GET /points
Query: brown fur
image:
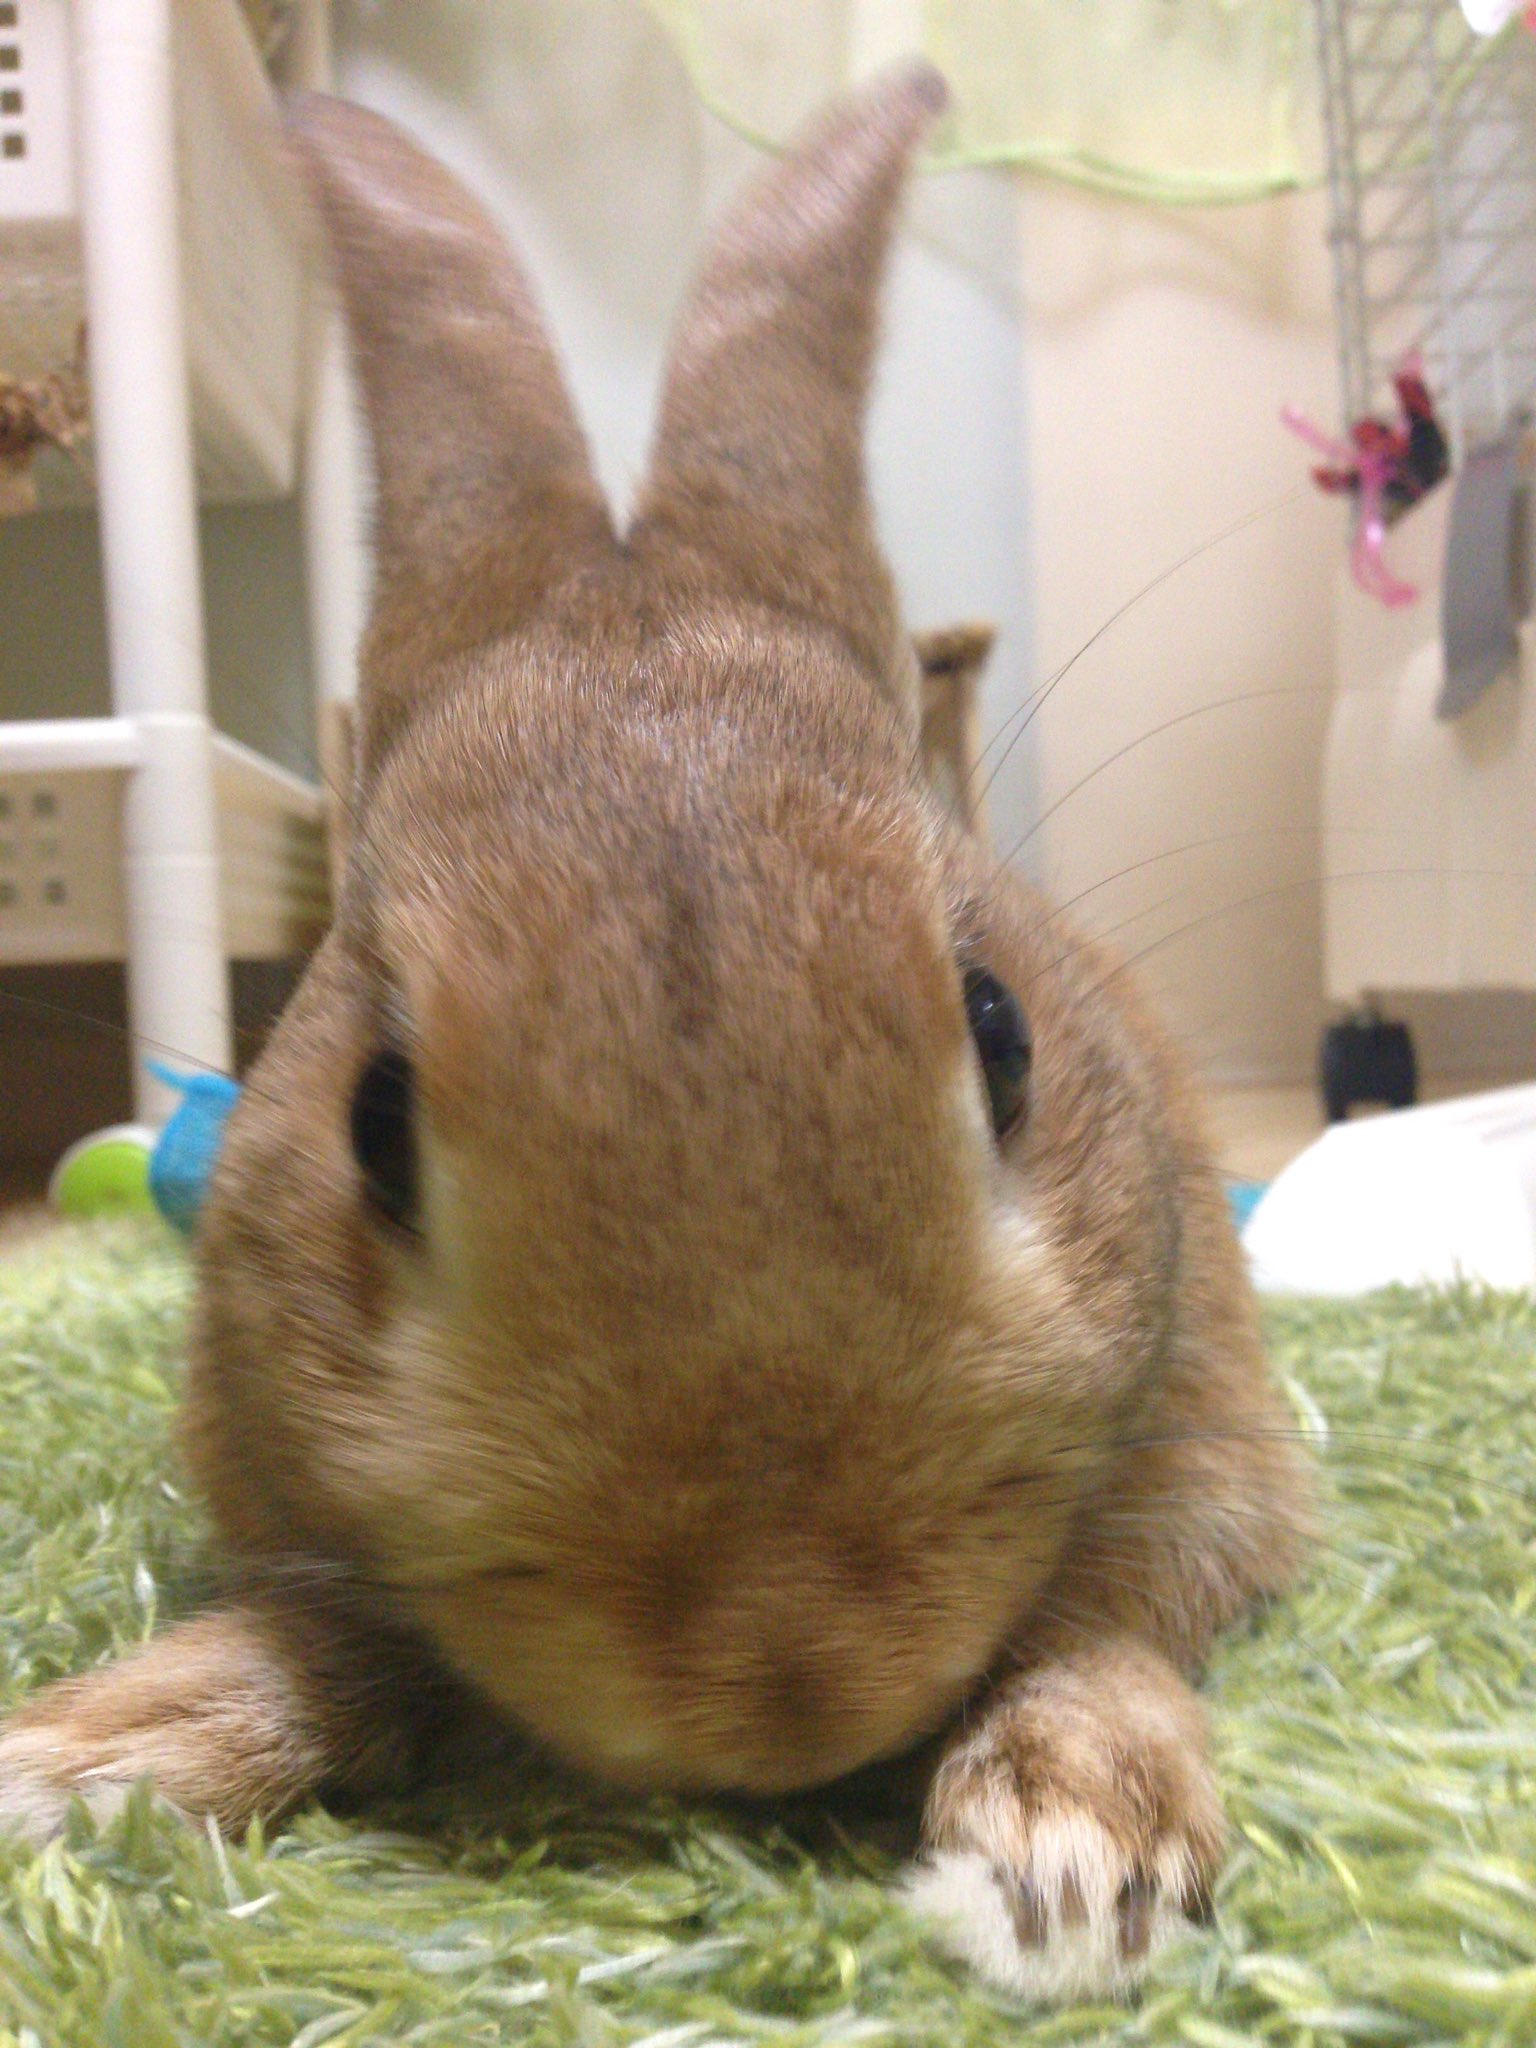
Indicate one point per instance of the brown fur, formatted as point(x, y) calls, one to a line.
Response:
point(951, 659)
point(742, 1409)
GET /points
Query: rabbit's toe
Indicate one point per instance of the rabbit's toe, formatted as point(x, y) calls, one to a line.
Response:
point(1074, 1918)
point(1074, 1828)
point(38, 1787)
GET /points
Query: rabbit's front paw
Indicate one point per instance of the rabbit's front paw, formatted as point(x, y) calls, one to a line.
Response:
point(40, 1779)
point(1073, 1831)
point(213, 1712)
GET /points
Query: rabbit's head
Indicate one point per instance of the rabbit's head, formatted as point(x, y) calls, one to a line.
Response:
point(691, 1237)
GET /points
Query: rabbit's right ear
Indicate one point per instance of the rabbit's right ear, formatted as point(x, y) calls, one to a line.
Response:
point(486, 497)
point(756, 483)
point(951, 659)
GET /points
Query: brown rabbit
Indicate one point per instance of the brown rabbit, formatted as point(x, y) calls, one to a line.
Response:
point(659, 1287)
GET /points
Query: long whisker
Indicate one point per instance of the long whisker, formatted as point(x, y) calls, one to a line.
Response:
point(1311, 880)
point(1153, 732)
point(1036, 701)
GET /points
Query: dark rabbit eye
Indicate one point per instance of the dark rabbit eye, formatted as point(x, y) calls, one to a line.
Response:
point(384, 1135)
point(1001, 1033)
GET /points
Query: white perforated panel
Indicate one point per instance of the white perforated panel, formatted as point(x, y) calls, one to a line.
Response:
point(60, 894)
point(37, 179)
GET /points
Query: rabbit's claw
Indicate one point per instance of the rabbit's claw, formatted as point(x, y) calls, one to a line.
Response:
point(1071, 1842)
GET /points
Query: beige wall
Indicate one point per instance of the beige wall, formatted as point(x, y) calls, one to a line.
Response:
point(1158, 349)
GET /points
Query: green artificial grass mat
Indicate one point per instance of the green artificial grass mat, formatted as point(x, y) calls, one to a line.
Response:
point(1377, 1738)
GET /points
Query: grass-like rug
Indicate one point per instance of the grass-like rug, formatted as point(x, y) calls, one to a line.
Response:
point(1377, 1735)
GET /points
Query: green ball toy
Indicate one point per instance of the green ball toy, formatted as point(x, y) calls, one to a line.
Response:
point(106, 1174)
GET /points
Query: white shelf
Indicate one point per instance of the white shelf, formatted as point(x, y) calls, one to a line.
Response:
point(61, 851)
point(61, 746)
point(241, 234)
point(151, 183)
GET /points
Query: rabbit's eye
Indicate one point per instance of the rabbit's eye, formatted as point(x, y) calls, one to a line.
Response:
point(384, 1135)
point(1001, 1032)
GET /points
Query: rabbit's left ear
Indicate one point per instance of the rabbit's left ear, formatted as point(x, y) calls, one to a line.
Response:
point(756, 486)
point(486, 501)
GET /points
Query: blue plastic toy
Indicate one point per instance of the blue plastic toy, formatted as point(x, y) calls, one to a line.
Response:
point(182, 1163)
point(1244, 1196)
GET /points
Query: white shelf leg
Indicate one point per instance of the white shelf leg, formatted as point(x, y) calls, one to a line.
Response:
point(336, 567)
point(178, 982)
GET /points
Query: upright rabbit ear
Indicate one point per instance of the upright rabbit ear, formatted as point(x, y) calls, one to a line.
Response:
point(757, 481)
point(485, 494)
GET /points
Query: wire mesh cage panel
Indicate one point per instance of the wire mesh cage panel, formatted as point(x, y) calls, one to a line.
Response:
point(1432, 172)
point(1429, 835)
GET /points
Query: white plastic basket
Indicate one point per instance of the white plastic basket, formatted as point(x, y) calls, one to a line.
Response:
point(241, 243)
point(1428, 1195)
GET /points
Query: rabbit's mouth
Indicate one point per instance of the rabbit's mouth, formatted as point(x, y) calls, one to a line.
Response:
point(763, 1687)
